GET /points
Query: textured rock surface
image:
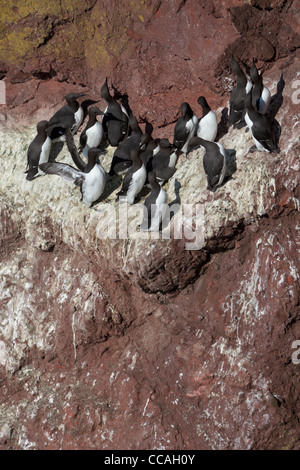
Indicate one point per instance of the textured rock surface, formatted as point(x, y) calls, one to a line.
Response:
point(159, 53)
point(129, 343)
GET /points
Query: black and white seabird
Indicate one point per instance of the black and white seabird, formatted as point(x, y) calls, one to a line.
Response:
point(154, 206)
point(237, 97)
point(38, 151)
point(247, 73)
point(167, 155)
point(134, 179)
point(214, 161)
point(260, 127)
point(91, 181)
point(71, 115)
point(121, 160)
point(92, 135)
point(115, 121)
point(185, 127)
point(149, 147)
point(261, 95)
point(208, 124)
point(163, 160)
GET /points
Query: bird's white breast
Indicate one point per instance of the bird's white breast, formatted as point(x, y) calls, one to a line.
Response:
point(250, 125)
point(78, 119)
point(265, 100)
point(208, 127)
point(191, 127)
point(94, 136)
point(136, 185)
point(173, 159)
point(248, 86)
point(45, 153)
point(158, 211)
point(223, 171)
point(94, 184)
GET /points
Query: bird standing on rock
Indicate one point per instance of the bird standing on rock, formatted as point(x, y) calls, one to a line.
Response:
point(185, 128)
point(115, 121)
point(38, 151)
point(92, 135)
point(134, 179)
point(237, 97)
point(71, 115)
point(260, 127)
point(261, 95)
point(214, 161)
point(121, 160)
point(208, 123)
point(154, 206)
point(162, 160)
point(91, 180)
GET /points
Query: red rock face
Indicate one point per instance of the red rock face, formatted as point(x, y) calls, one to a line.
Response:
point(192, 349)
point(207, 366)
point(159, 54)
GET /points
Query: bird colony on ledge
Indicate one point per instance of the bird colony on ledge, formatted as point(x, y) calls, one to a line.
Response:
point(143, 160)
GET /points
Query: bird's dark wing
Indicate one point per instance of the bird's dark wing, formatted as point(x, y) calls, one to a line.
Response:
point(73, 150)
point(213, 165)
point(126, 182)
point(165, 173)
point(262, 131)
point(82, 139)
point(180, 133)
point(65, 171)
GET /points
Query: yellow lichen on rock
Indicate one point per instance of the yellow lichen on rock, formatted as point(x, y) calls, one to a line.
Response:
point(25, 27)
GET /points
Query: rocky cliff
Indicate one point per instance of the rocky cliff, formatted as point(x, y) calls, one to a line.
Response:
point(110, 340)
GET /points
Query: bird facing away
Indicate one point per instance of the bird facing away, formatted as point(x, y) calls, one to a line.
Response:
point(237, 97)
point(121, 160)
point(149, 147)
point(92, 135)
point(134, 179)
point(214, 161)
point(91, 181)
point(208, 123)
point(260, 127)
point(154, 206)
point(115, 121)
point(185, 128)
point(38, 151)
point(261, 95)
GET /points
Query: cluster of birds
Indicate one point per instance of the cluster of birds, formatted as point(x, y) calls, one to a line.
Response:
point(146, 161)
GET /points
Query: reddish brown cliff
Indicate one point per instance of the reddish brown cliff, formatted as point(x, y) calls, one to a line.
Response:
point(159, 53)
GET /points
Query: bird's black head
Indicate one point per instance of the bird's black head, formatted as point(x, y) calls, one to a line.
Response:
point(248, 100)
point(94, 154)
point(202, 101)
point(254, 75)
point(41, 126)
point(186, 109)
point(74, 96)
point(95, 111)
point(144, 141)
point(235, 68)
point(152, 177)
point(164, 143)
